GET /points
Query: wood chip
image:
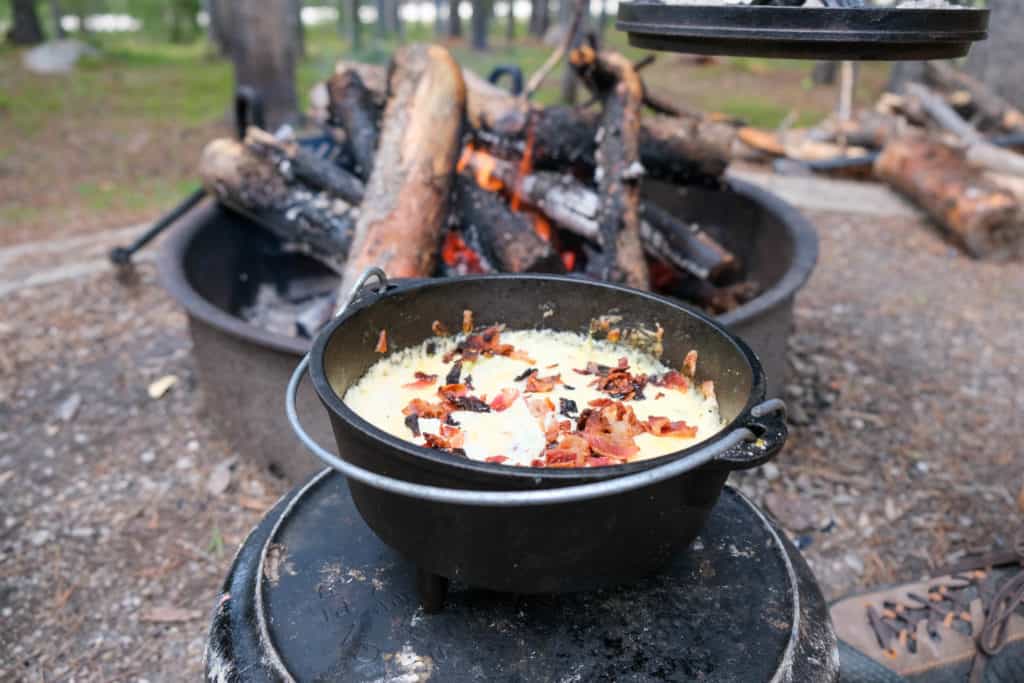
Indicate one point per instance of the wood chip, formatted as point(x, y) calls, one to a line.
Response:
point(160, 387)
point(220, 477)
point(168, 615)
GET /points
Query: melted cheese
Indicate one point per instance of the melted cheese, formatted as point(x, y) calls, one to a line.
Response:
point(380, 395)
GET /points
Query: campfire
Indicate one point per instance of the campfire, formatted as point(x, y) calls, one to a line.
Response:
point(425, 169)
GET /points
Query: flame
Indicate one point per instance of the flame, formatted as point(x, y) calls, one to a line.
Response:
point(569, 260)
point(483, 165)
point(525, 166)
point(455, 252)
point(542, 226)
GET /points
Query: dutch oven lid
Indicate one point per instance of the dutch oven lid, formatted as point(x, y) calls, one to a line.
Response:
point(832, 33)
point(315, 595)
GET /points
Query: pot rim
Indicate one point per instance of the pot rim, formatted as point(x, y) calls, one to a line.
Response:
point(419, 455)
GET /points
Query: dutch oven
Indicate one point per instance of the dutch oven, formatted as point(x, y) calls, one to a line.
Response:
point(532, 530)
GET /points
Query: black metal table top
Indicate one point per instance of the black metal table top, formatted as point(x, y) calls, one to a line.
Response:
point(313, 595)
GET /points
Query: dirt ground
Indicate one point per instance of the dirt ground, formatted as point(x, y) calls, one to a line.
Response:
point(119, 512)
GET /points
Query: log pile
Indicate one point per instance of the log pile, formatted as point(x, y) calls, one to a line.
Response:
point(948, 143)
point(435, 172)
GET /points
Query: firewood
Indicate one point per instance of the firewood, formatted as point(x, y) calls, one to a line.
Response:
point(352, 106)
point(978, 215)
point(507, 237)
point(405, 205)
point(252, 184)
point(715, 300)
point(611, 77)
point(293, 162)
point(980, 152)
point(574, 207)
point(992, 106)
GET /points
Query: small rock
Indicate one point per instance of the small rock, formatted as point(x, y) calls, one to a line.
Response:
point(863, 521)
point(184, 463)
point(797, 415)
point(220, 477)
point(161, 386)
point(40, 537)
point(81, 439)
point(771, 471)
point(192, 446)
point(891, 513)
point(147, 457)
point(796, 513)
point(854, 562)
point(794, 390)
point(68, 408)
point(857, 423)
point(922, 467)
point(82, 532)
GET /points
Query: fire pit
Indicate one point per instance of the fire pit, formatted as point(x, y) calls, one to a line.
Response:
point(216, 264)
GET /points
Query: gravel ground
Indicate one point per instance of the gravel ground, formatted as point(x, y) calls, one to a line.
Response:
point(119, 512)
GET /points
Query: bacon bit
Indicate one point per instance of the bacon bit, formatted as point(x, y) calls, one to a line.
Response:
point(610, 430)
point(571, 451)
point(456, 437)
point(439, 329)
point(423, 380)
point(614, 335)
point(453, 375)
point(422, 408)
point(535, 384)
point(707, 389)
point(382, 342)
point(662, 426)
point(555, 429)
point(412, 421)
point(536, 462)
point(467, 321)
point(603, 461)
point(569, 260)
point(567, 407)
point(600, 402)
point(496, 459)
point(471, 403)
point(517, 354)
point(660, 394)
point(671, 380)
point(504, 400)
point(451, 391)
point(524, 374)
point(593, 369)
point(619, 383)
point(540, 407)
point(549, 367)
point(690, 364)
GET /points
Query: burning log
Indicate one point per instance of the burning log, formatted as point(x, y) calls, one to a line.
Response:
point(611, 77)
point(982, 217)
point(406, 197)
point(573, 206)
point(507, 238)
point(352, 106)
point(252, 184)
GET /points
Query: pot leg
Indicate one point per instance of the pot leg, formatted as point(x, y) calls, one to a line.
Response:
point(432, 589)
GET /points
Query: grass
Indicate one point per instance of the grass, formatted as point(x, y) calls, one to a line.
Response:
point(69, 139)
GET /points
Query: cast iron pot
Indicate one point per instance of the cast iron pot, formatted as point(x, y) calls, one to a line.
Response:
point(532, 530)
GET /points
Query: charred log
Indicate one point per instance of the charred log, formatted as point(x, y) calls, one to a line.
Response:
point(251, 184)
point(406, 198)
point(353, 107)
point(295, 163)
point(507, 238)
point(989, 103)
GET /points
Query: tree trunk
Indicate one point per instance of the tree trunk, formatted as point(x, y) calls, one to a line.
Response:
point(25, 27)
point(996, 61)
point(58, 17)
point(300, 29)
point(262, 46)
point(510, 25)
point(454, 20)
point(540, 17)
point(382, 18)
point(353, 26)
point(479, 24)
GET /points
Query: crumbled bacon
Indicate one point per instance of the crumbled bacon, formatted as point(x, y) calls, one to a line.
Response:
point(485, 343)
point(455, 436)
point(620, 383)
point(422, 408)
point(662, 426)
point(540, 407)
point(557, 428)
point(593, 369)
point(537, 462)
point(524, 374)
point(451, 391)
point(690, 364)
point(439, 329)
point(467, 321)
point(535, 384)
point(603, 461)
point(572, 450)
point(382, 342)
point(423, 380)
point(707, 389)
point(610, 428)
point(670, 380)
point(496, 458)
point(504, 400)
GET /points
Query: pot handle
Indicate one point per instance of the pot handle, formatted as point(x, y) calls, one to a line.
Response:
point(730, 444)
point(768, 423)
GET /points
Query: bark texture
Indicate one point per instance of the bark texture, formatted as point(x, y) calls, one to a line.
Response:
point(406, 196)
